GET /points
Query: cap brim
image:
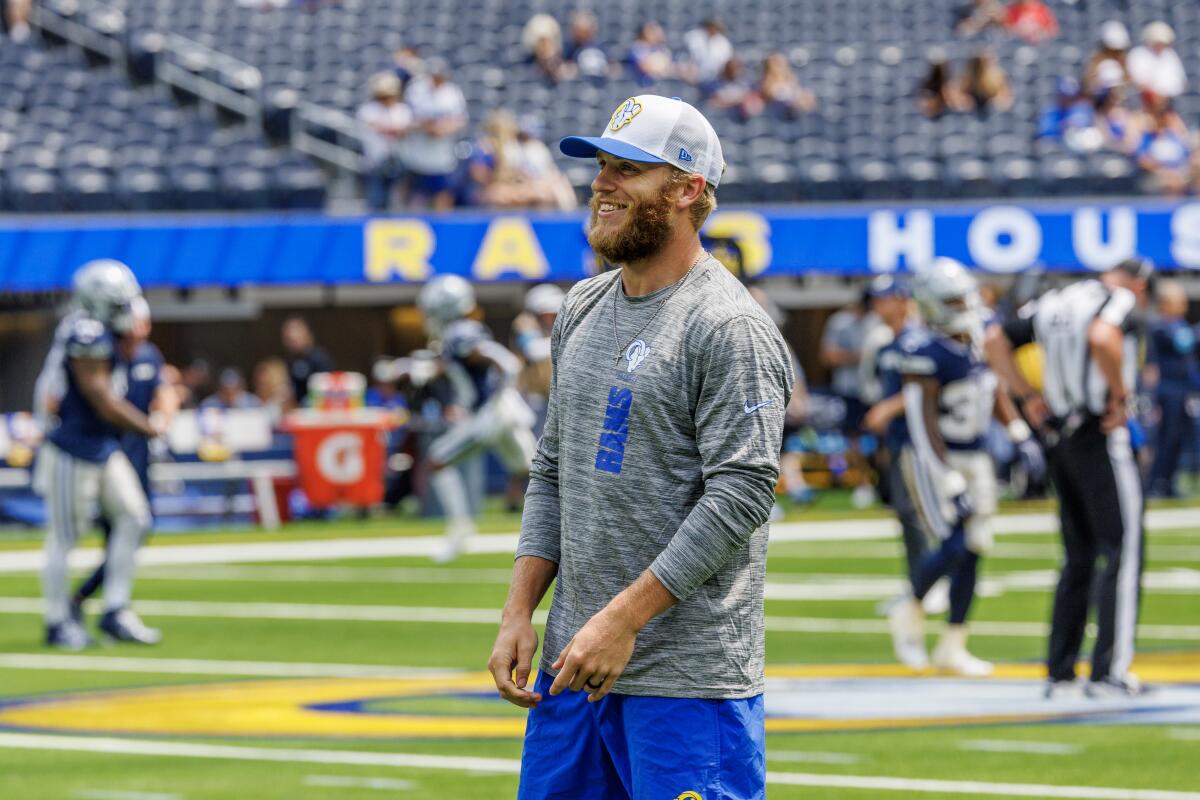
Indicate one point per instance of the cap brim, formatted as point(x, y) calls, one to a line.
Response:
point(588, 146)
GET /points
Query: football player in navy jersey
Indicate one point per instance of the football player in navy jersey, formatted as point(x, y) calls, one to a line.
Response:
point(488, 412)
point(949, 400)
point(82, 464)
point(145, 390)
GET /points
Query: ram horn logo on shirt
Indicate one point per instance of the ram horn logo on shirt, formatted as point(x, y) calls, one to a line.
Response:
point(635, 354)
point(625, 114)
point(689, 796)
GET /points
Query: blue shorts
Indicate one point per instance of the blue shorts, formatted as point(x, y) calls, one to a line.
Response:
point(643, 748)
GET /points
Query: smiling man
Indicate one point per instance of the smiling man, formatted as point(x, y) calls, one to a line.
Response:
point(649, 496)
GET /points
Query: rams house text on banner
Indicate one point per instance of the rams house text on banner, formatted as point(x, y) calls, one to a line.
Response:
point(38, 255)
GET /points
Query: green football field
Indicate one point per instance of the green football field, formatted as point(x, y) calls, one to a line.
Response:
point(336, 660)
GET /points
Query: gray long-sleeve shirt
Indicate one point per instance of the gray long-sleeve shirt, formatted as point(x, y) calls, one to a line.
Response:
point(665, 458)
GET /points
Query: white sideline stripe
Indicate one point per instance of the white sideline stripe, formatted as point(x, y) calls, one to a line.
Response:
point(269, 574)
point(1185, 734)
point(145, 747)
point(512, 766)
point(812, 757)
point(349, 782)
point(1033, 748)
point(846, 530)
point(488, 616)
point(976, 787)
point(200, 666)
point(116, 794)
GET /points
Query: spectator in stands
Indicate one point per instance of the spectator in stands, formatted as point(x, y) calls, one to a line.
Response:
point(1108, 63)
point(985, 86)
point(542, 40)
point(273, 388)
point(938, 92)
point(780, 89)
point(407, 64)
point(1120, 129)
point(1032, 20)
point(1155, 68)
point(979, 16)
point(16, 18)
point(732, 90)
point(552, 189)
point(510, 167)
point(708, 51)
point(1070, 118)
point(649, 58)
point(1174, 373)
point(384, 391)
point(231, 393)
point(304, 357)
point(1164, 152)
point(439, 115)
point(384, 122)
point(581, 50)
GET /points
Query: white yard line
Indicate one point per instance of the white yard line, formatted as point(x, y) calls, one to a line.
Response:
point(488, 616)
point(419, 546)
point(118, 794)
point(976, 788)
point(1184, 734)
point(350, 782)
point(512, 766)
point(204, 666)
point(271, 574)
point(1032, 748)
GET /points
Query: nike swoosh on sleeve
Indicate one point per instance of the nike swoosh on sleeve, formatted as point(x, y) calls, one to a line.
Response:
point(750, 409)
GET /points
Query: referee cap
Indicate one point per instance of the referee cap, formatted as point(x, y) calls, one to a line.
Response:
point(653, 129)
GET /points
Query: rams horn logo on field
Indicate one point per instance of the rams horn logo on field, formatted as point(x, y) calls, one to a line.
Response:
point(689, 796)
point(625, 114)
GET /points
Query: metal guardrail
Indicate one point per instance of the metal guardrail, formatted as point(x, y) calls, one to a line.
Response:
point(61, 18)
point(215, 78)
point(342, 148)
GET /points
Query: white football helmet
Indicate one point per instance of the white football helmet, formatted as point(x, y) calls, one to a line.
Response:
point(947, 295)
point(445, 299)
point(105, 289)
point(545, 298)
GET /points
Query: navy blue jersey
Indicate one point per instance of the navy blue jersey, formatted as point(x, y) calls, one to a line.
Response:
point(1172, 348)
point(80, 431)
point(142, 377)
point(967, 386)
point(473, 382)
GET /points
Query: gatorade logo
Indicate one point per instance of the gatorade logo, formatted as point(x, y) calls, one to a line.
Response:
point(340, 458)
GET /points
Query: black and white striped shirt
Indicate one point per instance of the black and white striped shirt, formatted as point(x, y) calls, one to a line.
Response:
point(1060, 320)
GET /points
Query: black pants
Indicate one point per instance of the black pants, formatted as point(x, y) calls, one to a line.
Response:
point(1100, 511)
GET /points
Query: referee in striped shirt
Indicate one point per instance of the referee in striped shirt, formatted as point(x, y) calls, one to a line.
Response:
point(1088, 333)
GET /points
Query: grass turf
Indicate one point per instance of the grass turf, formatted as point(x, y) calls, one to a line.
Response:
point(1127, 756)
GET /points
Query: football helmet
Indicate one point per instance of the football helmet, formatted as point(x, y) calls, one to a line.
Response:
point(545, 298)
point(947, 295)
point(445, 299)
point(105, 289)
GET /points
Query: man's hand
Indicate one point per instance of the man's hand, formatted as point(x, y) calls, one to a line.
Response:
point(515, 645)
point(1034, 407)
point(1116, 414)
point(596, 655)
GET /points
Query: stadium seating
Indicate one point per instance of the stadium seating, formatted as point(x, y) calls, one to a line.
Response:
point(862, 58)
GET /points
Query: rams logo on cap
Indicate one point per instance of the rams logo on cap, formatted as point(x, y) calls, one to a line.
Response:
point(625, 114)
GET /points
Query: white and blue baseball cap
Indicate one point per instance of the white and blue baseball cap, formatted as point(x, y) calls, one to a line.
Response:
point(657, 130)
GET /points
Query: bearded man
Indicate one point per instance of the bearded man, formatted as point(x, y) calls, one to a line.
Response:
point(649, 496)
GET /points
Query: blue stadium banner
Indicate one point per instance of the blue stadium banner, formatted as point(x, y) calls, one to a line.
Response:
point(40, 254)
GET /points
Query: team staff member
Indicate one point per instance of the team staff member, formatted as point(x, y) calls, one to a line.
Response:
point(1172, 353)
point(1089, 336)
point(650, 494)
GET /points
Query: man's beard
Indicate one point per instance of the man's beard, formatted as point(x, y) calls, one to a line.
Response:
point(643, 233)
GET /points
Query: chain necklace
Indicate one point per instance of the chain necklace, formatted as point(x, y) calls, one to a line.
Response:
point(617, 290)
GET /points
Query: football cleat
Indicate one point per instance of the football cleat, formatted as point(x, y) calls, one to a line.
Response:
point(1127, 686)
point(69, 635)
point(125, 626)
point(1057, 690)
point(907, 621)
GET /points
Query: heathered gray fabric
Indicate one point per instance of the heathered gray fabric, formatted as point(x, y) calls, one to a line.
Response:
point(696, 481)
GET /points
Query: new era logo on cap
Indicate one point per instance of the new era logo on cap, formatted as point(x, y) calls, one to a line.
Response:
point(657, 130)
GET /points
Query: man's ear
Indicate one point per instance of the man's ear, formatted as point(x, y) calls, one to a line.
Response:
point(690, 191)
